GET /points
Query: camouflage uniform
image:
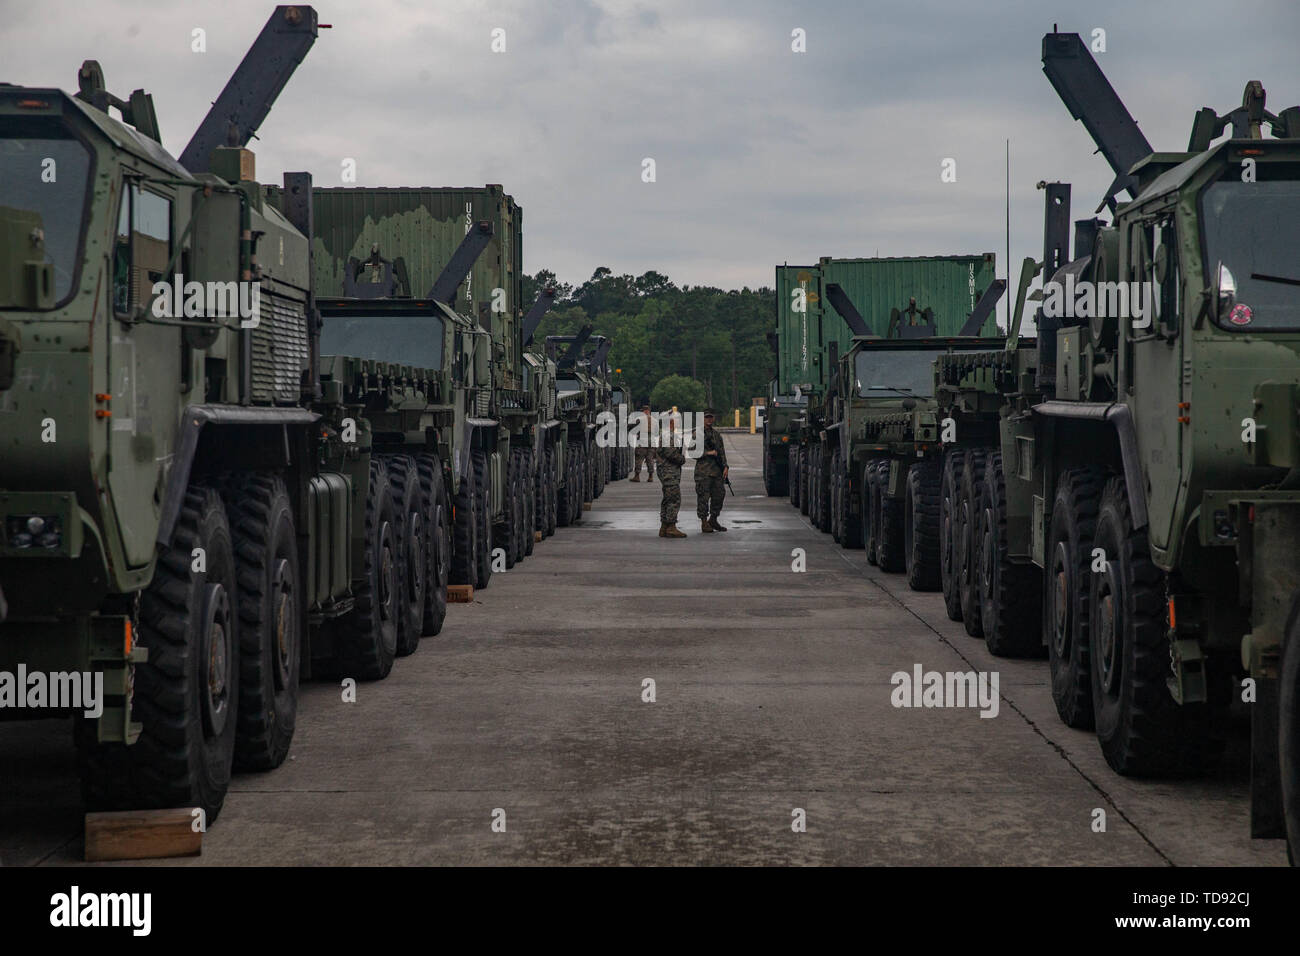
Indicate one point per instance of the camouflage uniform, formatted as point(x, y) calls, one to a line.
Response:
point(671, 458)
point(644, 453)
point(709, 489)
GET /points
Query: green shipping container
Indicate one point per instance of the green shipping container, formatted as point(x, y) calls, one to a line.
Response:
point(950, 285)
point(421, 227)
point(798, 323)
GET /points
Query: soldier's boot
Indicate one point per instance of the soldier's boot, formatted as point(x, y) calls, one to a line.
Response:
point(637, 476)
point(672, 532)
point(704, 526)
point(713, 523)
point(663, 530)
point(650, 476)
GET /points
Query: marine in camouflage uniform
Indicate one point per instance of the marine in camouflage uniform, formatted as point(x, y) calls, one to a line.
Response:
point(710, 468)
point(644, 453)
point(671, 458)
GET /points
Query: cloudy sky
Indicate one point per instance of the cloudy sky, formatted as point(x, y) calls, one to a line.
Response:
point(762, 155)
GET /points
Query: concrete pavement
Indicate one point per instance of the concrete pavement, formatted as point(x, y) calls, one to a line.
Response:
point(772, 695)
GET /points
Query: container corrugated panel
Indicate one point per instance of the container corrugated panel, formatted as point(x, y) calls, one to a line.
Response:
point(799, 345)
point(950, 285)
point(423, 226)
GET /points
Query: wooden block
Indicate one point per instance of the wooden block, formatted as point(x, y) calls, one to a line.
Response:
point(537, 536)
point(142, 834)
point(460, 593)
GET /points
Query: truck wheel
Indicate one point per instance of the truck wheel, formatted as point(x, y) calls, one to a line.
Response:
point(814, 489)
point(580, 480)
point(968, 503)
point(805, 480)
point(366, 640)
point(564, 511)
point(1289, 731)
point(465, 525)
point(517, 510)
point(185, 695)
point(794, 476)
point(530, 502)
point(412, 551)
point(506, 534)
point(483, 483)
point(1009, 593)
point(921, 526)
point(1141, 729)
point(871, 511)
point(270, 619)
point(834, 496)
point(552, 492)
point(951, 533)
point(438, 543)
point(850, 526)
point(889, 552)
point(1066, 592)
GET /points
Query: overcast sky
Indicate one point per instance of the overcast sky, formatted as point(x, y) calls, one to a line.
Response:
point(762, 155)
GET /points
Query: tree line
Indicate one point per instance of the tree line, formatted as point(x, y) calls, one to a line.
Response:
point(714, 337)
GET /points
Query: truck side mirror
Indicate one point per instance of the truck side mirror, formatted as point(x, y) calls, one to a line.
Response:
point(1225, 291)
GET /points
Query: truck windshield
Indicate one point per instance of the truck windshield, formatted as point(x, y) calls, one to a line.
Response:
point(406, 339)
point(1254, 230)
point(886, 373)
point(44, 173)
point(566, 385)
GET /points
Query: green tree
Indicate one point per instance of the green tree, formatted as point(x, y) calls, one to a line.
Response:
point(684, 393)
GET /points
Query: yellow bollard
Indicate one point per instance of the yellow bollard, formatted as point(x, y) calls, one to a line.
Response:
point(753, 419)
point(738, 418)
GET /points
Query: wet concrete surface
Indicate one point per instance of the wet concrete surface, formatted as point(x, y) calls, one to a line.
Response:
point(772, 695)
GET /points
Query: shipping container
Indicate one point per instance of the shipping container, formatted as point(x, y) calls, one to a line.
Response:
point(418, 229)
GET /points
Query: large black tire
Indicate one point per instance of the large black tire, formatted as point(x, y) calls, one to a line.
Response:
point(580, 468)
point(528, 488)
point(552, 490)
point(1289, 731)
point(950, 532)
point(1066, 591)
point(968, 501)
point(805, 480)
point(794, 476)
point(465, 543)
point(270, 618)
point(1141, 729)
point(506, 534)
point(871, 510)
point(889, 540)
point(365, 641)
point(437, 519)
point(850, 526)
point(186, 693)
point(568, 503)
point(921, 526)
point(834, 497)
point(483, 482)
point(518, 511)
point(412, 550)
point(1010, 594)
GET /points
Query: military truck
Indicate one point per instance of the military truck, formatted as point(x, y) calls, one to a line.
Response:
point(584, 397)
point(779, 416)
point(396, 242)
point(193, 503)
point(814, 340)
point(1146, 458)
point(882, 433)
